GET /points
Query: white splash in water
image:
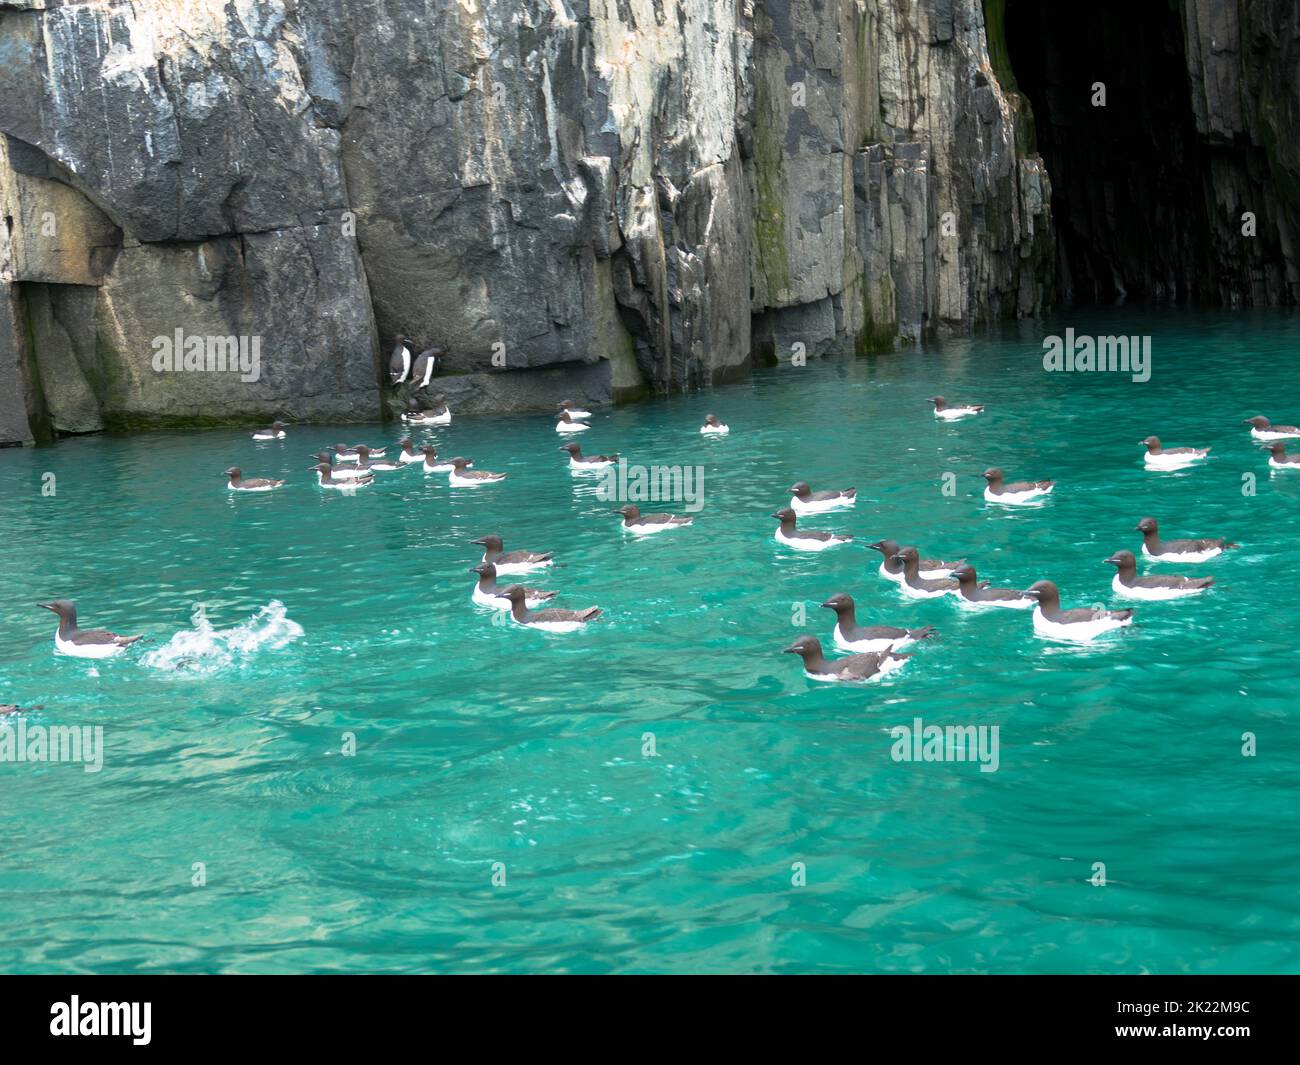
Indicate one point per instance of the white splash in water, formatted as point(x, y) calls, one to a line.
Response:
point(204, 649)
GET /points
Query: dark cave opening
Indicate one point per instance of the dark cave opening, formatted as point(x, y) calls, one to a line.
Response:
point(1128, 178)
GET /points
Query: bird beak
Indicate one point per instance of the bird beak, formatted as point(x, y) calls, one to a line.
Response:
point(1030, 592)
point(895, 558)
point(47, 606)
point(775, 514)
point(480, 540)
point(828, 603)
point(792, 649)
point(1112, 560)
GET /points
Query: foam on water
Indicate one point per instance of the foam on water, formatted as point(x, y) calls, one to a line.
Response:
point(204, 649)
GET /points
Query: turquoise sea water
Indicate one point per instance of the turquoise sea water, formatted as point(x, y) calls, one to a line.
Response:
point(478, 743)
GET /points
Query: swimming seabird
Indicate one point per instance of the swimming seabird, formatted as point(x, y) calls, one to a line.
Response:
point(1017, 493)
point(803, 500)
point(972, 592)
point(566, 424)
point(645, 524)
point(340, 473)
point(327, 479)
point(367, 464)
point(851, 636)
point(573, 410)
point(1080, 624)
point(713, 427)
point(236, 482)
point(1159, 457)
point(432, 464)
point(463, 477)
point(791, 535)
point(488, 593)
point(275, 432)
point(1178, 550)
point(512, 561)
point(1262, 429)
point(916, 586)
point(84, 643)
point(1129, 585)
point(930, 568)
point(550, 620)
point(579, 461)
point(1278, 459)
point(859, 667)
point(947, 413)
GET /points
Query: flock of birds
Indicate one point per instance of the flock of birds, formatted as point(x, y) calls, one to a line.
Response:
point(873, 650)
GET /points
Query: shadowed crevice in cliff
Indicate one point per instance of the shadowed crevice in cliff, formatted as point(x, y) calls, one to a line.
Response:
point(1128, 193)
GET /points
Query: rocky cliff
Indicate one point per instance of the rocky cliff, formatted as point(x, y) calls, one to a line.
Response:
point(596, 198)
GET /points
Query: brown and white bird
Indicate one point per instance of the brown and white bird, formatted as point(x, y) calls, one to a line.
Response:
point(462, 476)
point(644, 524)
point(84, 643)
point(1018, 493)
point(549, 620)
point(853, 668)
point(512, 561)
point(1128, 585)
point(236, 482)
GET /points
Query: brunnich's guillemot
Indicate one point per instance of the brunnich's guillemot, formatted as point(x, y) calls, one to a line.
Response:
point(803, 539)
point(422, 368)
point(1015, 494)
point(399, 362)
point(275, 432)
point(713, 427)
point(566, 424)
point(462, 476)
point(579, 461)
point(803, 500)
point(972, 592)
point(916, 586)
point(433, 464)
point(343, 453)
point(84, 643)
point(1128, 585)
point(236, 483)
point(932, 569)
point(1278, 459)
point(488, 593)
point(644, 524)
point(341, 473)
point(327, 479)
point(573, 410)
point(1178, 550)
point(1262, 429)
point(851, 636)
point(1159, 457)
point(512, 561)
point(1080, 624)
point(948, 414)
point(550, 620)
point(860, 667)
point(366, 463)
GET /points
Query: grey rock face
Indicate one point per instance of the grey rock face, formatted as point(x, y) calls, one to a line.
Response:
point(598, 198)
